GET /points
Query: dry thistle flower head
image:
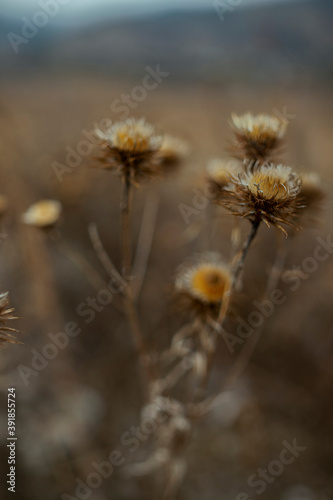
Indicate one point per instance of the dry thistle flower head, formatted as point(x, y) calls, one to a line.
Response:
point(6, 314)
point(130, 148)
point(202, 282)
point(268, 194)
point(172, 151)
point(258, 136)
point(43, 214)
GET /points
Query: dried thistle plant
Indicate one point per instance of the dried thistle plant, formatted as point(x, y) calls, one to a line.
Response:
point(259, 192)
point(258, 137)
point(175, 380)
point(270, 194)
point(134, 151)
point(130, 149)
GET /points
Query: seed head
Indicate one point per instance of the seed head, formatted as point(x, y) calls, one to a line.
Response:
point(130, 148)
point(43, 214)
point(202, 282)
point(6, 314)
point(270, 193)
point(258, 137)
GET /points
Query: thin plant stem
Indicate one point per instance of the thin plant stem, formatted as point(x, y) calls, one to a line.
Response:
point(218, 325)
point(145, 241)
point(235, 236)
point(126, 225)
point(80, 262)
point(129, 307)
point(240, 263)
point(272, 281)
point(238, 269)
point(129, 304)
point(102, 255)
point(140, 345)
point(248, 349)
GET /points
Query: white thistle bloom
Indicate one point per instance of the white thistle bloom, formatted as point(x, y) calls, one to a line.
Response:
point(257, 124)
point(135, 136)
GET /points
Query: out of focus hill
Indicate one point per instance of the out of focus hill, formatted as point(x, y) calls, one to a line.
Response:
point(258, 42)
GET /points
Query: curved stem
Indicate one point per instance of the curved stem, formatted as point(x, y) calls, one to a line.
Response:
point(80, 262)
point(102, 255)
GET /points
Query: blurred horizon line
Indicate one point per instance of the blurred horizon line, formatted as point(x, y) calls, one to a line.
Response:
point(72, 15)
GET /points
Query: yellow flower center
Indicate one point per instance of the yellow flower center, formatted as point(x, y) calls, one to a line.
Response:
point(131, 141)
point(210, 283)
point(268, 186)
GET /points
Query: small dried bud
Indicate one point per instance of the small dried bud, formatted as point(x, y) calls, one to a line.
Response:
point(202, 282)
point(43, 214)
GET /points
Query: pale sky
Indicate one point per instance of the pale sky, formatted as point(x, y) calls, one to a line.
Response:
point(20, 8)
